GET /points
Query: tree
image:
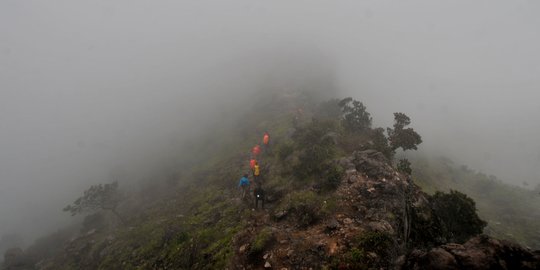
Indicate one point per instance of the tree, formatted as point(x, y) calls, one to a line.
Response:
point(97, 197)
point(380, 143)
point(399, 136)
point(355, 116)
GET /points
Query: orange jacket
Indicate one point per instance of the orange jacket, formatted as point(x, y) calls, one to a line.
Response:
point(252, 163)
point(266, 138)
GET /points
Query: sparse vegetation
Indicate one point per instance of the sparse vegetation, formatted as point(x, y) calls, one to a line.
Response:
point(261, 242)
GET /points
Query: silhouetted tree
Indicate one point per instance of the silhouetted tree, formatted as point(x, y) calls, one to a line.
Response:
point(97, 197)
point(355, 116)
point(399, 136)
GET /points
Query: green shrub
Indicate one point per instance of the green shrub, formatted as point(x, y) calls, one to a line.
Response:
point(331, 177)
point(404, 166)
point(358, 257)
point(262, 240)
point(458, 214)
point(304, 206)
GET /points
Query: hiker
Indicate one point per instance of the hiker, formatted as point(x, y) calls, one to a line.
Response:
point(252, 163)
point(266, 140)
point(244, 185)
point(256, 172)
point(259, 196)
point(256, 150)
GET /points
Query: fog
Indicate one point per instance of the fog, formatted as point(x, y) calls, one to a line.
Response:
point(88, 86)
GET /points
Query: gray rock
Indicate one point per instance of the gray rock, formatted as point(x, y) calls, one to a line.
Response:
point(332, 224)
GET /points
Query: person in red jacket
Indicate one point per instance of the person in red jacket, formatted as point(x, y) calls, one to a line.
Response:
point(266, 139)
point(252, 163)
point(256, 150)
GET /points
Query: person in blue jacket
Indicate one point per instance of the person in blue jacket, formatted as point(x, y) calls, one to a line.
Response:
point(244, 185)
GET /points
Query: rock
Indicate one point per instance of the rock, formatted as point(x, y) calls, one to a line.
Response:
point(437, 258)
point(347, 221)
point(332, 224)
point(280, 214)
point(373, 163)
point(480, 252)
point(290, 253)
point(266, 256)
point(381, 226)
point(242, 248)
point(267, 265)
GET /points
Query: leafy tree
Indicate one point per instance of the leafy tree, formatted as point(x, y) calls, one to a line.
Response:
point(399, 136)
point(380, 143)
point(97, 197)
point(355, 116)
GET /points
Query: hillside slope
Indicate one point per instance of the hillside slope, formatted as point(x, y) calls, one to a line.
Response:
point(334, 200)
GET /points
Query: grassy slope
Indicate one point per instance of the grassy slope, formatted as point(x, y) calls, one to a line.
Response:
point(512, 212)
point(183, 232)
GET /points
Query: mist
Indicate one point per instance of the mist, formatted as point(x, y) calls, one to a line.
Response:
point(86, 87)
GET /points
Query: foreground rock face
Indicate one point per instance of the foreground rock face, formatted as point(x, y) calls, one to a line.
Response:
point(481, 252)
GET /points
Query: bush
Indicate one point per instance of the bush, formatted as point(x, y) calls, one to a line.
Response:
point(360, 256)
point(331, 177)
point(305, 206)
point(458, 213)
point(262, 240)
point(404, 166)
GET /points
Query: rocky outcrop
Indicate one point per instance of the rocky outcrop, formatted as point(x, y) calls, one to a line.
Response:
point(370, 162)
point(480, 252)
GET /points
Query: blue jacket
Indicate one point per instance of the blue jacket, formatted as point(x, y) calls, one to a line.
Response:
point(244, 181)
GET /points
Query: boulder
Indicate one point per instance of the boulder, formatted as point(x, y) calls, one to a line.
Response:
point(480, 252)
point(373, 163)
